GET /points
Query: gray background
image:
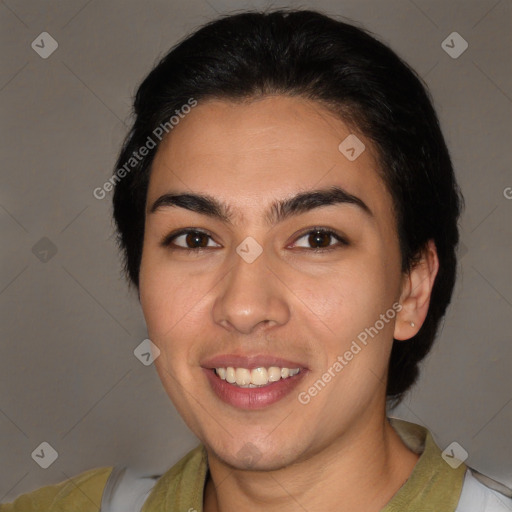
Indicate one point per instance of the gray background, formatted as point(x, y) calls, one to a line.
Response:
point(69, 325)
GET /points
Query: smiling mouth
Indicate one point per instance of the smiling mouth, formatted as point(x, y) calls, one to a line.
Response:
point(255, 378)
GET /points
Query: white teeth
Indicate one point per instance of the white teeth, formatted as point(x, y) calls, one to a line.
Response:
point(243, 376)
point(256, 377)
point(230, 375)
point(274, 374)
point(259, 376)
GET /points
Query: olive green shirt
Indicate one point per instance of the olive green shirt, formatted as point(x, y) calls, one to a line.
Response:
point(433, 486)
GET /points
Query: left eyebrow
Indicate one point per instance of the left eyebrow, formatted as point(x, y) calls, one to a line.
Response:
point(278, 211)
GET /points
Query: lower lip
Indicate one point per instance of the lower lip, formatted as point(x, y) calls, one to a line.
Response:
point(252, 398)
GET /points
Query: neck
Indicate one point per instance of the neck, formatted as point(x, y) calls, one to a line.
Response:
point(360, 471)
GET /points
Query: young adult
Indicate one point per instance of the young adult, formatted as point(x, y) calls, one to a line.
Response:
point(287, 211)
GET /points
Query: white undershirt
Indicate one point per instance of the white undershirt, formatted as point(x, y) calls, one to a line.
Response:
point(126, 491)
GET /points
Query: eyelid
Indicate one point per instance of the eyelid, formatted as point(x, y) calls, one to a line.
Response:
point(342, 241)
point(166, 241)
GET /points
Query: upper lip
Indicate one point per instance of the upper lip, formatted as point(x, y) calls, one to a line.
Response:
point(249, 361)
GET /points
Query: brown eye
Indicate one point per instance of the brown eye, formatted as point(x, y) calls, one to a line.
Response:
point(317, 240)
point(320, 239)
point(196, 240)
point(189, 240)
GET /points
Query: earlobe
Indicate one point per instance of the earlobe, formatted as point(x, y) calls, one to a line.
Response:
point(417, 288)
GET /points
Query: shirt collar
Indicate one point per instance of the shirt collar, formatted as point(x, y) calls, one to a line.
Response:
point(432, 486)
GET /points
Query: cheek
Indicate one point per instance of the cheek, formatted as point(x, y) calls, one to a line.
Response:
point(167, 297)
point(354, 297)
point(167, 302)
point(176, 304)
point(350, 303)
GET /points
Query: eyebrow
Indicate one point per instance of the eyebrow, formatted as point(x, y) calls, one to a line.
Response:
point(278, 211)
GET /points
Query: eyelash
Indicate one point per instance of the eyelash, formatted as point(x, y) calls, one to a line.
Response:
point(168, 239)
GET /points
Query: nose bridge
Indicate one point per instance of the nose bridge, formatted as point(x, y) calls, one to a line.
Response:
point(250, 294)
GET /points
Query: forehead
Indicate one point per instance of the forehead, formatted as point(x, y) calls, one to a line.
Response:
point(264, 148)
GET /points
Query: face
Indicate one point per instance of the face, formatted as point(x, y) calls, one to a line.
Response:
point(263, 289)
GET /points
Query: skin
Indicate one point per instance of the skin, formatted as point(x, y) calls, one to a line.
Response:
point(338, 452)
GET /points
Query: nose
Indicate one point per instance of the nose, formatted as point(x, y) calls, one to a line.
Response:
point(251, 297)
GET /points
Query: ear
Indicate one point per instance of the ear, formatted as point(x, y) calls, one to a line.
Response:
point(415, 293)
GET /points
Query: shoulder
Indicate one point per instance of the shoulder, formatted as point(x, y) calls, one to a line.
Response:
point(132, 490)
point(482, 494)
point(82, 492)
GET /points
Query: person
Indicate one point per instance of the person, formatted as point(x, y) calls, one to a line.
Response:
point(287, 211)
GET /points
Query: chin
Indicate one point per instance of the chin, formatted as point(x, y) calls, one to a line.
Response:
point(253, 456)
point(248, 459)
